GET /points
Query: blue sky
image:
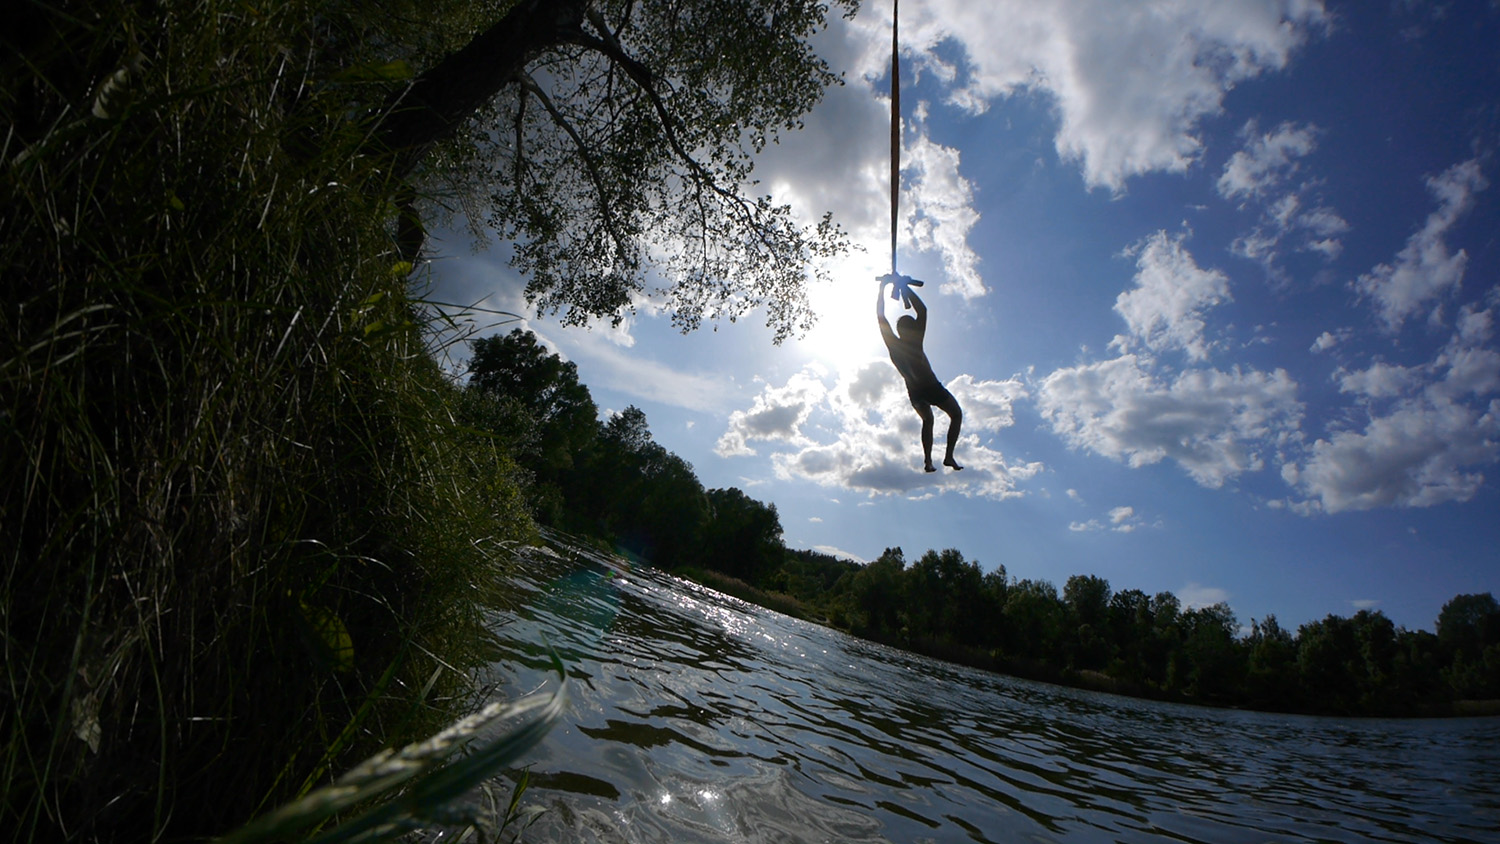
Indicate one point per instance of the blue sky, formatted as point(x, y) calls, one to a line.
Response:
point(1215, 282)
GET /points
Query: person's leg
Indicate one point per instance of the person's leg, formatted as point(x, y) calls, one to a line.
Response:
point(925, 411)
point(949, 405)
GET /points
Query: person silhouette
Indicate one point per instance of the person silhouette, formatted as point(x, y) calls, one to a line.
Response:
point(922, 386)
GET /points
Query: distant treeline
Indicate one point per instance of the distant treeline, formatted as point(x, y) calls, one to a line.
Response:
point(1150, 645)
point(613, 481)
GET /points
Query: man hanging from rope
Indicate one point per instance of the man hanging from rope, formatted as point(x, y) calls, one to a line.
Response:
point(922, 386)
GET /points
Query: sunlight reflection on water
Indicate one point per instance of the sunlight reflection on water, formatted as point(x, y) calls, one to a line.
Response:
point(697, 717)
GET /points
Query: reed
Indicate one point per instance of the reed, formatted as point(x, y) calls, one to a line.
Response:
point(247, 538)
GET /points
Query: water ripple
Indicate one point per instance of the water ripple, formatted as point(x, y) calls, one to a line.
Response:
point(698, 717)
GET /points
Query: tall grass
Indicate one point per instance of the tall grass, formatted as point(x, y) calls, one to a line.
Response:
point(245, 541)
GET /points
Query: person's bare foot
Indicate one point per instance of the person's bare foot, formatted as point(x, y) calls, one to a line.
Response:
point(929, 468)
point(952, 464)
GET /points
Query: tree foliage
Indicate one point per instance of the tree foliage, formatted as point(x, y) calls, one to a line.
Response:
point(559, 415)
point(608, 139)
point(743, 536)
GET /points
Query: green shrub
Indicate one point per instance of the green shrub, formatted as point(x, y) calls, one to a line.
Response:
point(239, 518)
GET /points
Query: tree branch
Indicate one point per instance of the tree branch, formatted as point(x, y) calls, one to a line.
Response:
point(606, 44)
point(583, 152)
point(438, 102)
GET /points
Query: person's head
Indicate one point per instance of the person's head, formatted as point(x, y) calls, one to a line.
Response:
point(906, 324)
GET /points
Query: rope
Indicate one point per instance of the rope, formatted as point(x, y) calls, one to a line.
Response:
point(895, 130)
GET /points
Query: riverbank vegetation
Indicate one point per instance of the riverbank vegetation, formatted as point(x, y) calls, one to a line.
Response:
point(250, 524)
point(234, 562)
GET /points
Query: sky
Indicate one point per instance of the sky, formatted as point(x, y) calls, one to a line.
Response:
point(1214, 282)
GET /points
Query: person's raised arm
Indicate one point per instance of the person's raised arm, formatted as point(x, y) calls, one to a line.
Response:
point(886, 333)
point(917, 305)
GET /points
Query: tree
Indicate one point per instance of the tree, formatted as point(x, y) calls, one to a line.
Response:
point(817, 579)
point(996, 588)
point(656, 505)
point(614, 130)
point(1376, 637)
point(875, 596)
point(1034, 618)
point(1469, 623)
point(536, 403)
point(1271, 668)
point(943, 592)
point(1162, 640)
point(1329, 665)
point(1468, 629)
point(1213, 658)
point(1130, 628)
point(1087, 600)
point(742, 537)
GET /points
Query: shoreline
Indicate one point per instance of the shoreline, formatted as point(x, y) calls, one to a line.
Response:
point(1086, 679)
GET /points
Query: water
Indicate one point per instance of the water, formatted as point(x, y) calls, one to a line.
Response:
point(697, 717)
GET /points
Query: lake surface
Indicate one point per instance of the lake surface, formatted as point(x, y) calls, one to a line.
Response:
point(696, 717)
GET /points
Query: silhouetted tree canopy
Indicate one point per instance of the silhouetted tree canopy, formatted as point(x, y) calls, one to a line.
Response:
point(606, 138)
point(562, 413)
point(743, 536)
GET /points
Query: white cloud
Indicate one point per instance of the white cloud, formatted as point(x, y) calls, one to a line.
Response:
point(1257, 245)
point(1425, 269)
point(1379, 380)
point(1430, 432)
point(1215, 425)
point(1364, 603)
point(609, 363)
point(1266, 160)
point(942, 212)
point(1467, 366)
point(1196, 596)
point(1129, 81)
point(839, 162)
point(1329, 339)
point(603, 352)
point(1471, 371)
point(1420, 454)
point(1120, 520)
point(862, 435)
point(1256, 174)
point(835, 551)
point(987, 405)
point(1165, 308)
point(1130, 84)
point(777, 414)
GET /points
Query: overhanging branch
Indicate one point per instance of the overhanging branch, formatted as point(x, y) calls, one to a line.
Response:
point(644, 79)
point(439, 101)
point(583, 153)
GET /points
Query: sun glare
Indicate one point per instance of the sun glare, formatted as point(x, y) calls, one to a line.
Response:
point(846, 336)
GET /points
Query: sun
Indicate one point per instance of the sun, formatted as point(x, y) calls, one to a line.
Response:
point(846, 336)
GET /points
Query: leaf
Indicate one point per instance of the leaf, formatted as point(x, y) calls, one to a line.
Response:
point(337, 647)
point(419, 778)
point(86, 720)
